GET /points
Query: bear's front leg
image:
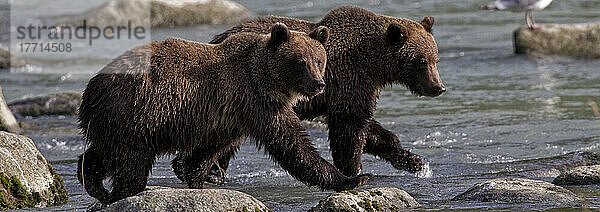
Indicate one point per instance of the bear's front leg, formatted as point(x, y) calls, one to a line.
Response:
point(386, 145)
point(347, 137)
point(217, 172)
point(287, 143)
point(196, 166)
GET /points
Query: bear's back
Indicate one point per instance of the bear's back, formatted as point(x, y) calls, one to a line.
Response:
point(262, 25)
point(162, 85)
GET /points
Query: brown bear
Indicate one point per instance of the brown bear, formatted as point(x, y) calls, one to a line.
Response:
point(188, 97)
point(366, 52)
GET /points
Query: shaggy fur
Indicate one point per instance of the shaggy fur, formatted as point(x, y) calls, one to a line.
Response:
point(366, 52)
point(204, 99)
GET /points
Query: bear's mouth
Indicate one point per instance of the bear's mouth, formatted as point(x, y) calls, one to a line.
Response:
point(416, 90)
point(427, 92)
point(310, 92)
point(313, 93)
point(420, 90)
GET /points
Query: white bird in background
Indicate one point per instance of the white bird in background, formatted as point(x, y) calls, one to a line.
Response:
point(519, 6)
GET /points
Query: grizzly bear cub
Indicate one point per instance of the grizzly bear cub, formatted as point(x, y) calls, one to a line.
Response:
point(366, 52)
point(204, 99)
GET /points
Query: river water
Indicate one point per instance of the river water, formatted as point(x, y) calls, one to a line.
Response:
point(503, 113)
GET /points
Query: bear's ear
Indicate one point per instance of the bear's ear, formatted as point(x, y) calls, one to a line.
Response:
point(427, 23)
point(394, 34)
point(279, 34)
point(321, 34)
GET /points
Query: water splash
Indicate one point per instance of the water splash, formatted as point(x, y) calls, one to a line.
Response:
point(425, 172)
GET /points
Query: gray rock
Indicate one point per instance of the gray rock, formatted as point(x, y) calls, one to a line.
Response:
point(518, 190)
point(53, 104)
point(27, 179)
point(168, 199)
point(8, 61)
point(159, 13)
point(7, 119)
point(376, 199)
point(578, 40)
point(582, 175)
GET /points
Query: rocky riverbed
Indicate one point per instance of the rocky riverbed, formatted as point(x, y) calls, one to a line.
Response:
point(504, 115)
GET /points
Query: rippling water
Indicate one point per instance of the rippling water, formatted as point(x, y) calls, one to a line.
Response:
point(502, 114)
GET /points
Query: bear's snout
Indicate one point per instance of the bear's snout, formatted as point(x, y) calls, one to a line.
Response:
point(319, 85)
point(440, 89)
point(316, 87)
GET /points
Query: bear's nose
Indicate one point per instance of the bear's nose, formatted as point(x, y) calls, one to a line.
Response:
point(319, 84)
point(440, 89)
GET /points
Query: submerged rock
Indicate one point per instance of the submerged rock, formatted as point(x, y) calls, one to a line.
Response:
point(27, 179)
point(582, 175)
point(377, 199)
point(53, 104)
point(578, 40)
point(518, 190)
point(553, 166)
point(168, 199)
point(7, 119)
point(157, 13)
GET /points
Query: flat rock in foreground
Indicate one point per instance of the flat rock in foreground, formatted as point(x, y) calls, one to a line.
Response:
point(577, 40)
point(582, 175)
point(518, 190)
point(167, 199)
point(376, 199)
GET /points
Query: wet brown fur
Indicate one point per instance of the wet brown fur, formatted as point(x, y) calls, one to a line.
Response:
point(203, 99)
point(366, 52)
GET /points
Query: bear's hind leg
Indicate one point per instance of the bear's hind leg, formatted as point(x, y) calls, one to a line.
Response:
point(197, 166)
point(90, 172)
point(217, 172)
point(131, 173)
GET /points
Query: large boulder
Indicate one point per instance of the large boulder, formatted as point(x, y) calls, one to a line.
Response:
point(582, 175)
point(53, 104)
point(518, 190)
point(7, 119)
point(578, 40)
point(168, 199)
point(159, 13)
point(27, 179)
point(377, 199)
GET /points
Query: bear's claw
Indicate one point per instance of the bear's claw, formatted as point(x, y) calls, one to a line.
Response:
point(409, 162)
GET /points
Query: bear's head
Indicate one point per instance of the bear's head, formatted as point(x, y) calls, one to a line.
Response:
point(298, 59)
point(412, 56)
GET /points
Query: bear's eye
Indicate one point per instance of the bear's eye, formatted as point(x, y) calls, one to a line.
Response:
point(319, 63)
point(301, 63)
